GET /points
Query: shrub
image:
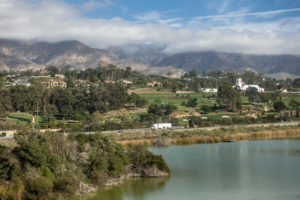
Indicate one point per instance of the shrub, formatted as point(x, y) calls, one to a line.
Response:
point(140, 157)
point(38, 188)
point(65, 185)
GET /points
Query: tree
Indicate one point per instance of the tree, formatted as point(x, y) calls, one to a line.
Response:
point(192, 102)
point(128, 72)
point(230, 97)
point(161, 110)
point(279, 106)
point(253, 95)
point(269, 97)
point(295, 105)
point(193, 73)
point(137, 100)
point(52, 70)
point(3, 113)
point(296, 83)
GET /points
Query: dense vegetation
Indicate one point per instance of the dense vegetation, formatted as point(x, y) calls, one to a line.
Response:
point(66, 103)
point(91, 93)
point(50, 166)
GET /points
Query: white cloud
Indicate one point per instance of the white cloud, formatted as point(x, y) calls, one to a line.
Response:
point(244, 14)
point(159, 18)
point(94, 4)
point(153, 15)
point(223, 7)
point(54, 20)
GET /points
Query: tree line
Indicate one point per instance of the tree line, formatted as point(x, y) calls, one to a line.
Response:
point(67, 103)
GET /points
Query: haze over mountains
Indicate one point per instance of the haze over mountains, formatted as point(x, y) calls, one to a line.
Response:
point(20, 55)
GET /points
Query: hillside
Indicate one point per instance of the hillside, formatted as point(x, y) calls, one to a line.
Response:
point(206, 61)
point(19, 55)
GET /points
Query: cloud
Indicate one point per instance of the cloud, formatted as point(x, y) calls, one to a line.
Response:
point(159, 18)
point(94, 4)
point(243, 14)
point(223, 7)
point(55, 20)
point(153, 15)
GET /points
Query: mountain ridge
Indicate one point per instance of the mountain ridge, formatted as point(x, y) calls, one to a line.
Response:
point(20, 55)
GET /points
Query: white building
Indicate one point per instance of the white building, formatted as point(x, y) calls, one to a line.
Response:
point(242, 86)
point(127, 82)
point(209, 90)
point(161, 126)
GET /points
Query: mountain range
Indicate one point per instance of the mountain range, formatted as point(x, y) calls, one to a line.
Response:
point(148, 59)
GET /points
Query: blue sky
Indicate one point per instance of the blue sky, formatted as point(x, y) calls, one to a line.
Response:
point(243, 26)
point(186, 10)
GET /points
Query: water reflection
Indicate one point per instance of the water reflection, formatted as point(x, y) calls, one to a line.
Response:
point(135, 189)
point(256, 170)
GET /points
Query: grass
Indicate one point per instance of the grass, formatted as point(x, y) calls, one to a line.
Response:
point(212, 136)
point(27, 118)
point(287, 100)
point(23, 117)
point(172, 98)
point(245, 99)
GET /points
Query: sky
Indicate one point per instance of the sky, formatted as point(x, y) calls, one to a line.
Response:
point(239, 26)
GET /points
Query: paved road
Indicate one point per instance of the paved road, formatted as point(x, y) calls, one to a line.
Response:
point(178, 129)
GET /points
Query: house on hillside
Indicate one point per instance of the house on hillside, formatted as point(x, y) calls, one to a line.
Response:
point(154, 84)
point(21, 81)
point(54, 83)
point(127, 82)
point(208, 90)
point(239, 84)
point(7, 133)
point(60, 76)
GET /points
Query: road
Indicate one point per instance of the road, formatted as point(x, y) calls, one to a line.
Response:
point(178, 129)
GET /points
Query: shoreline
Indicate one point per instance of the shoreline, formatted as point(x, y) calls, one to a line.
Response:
point(148, 172)
point(213, 137)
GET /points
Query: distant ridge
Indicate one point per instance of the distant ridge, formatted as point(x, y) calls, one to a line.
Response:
point(206, 61)
point(282, 76)
point(20, 55)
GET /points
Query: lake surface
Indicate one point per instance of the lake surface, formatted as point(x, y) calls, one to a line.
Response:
point(254, 170)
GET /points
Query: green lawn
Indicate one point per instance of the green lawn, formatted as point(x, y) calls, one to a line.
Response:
point(27, 117)
point(172, 98)
point(244, 99)
point(287, 100)
point(23, 117)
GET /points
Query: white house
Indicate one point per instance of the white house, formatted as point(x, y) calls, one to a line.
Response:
point(161, 126)
point(242, 86)
point(127, 82)
point(209, 90)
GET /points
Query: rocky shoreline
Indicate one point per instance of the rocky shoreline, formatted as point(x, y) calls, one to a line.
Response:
point(131, 172)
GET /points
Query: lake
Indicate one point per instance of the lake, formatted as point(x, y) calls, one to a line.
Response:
point(254, 170)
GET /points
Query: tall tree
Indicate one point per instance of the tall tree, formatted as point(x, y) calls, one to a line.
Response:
point(279, 106)
point(295, 105)
point(230, 97)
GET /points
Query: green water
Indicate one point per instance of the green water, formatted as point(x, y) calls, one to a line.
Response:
point(256, 170)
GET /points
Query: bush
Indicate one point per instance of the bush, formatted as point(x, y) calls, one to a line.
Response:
point(38, 188)
point(65, 185)
point(12, 191)
point(140, 157)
